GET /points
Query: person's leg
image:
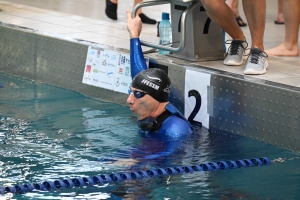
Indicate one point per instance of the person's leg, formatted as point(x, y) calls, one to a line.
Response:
point(144, 18)
point(221, 14)
point(111, 9)
point(280, 17)
point(234, 5)
point(289, 47)
point(255, 11)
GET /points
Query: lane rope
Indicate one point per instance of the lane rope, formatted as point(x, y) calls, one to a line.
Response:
point(117, 177)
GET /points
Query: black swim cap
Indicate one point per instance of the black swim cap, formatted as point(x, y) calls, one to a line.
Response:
point(154, 82)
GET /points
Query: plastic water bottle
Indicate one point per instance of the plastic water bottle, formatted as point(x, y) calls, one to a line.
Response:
point(165, 33)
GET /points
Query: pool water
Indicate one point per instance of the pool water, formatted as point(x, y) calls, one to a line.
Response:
point(49, 133)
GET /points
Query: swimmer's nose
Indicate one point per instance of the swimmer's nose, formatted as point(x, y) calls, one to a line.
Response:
point(130, 98)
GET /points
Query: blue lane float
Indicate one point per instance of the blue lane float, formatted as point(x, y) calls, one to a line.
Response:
point(117, 177)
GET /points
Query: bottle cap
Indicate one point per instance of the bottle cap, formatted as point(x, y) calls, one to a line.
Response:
point(165, 16)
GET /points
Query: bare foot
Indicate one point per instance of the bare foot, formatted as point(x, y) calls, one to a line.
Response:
point(282, 50)
point(280, 18)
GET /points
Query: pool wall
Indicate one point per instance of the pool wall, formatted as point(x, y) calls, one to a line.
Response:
point(243, 105)
point(47, 59)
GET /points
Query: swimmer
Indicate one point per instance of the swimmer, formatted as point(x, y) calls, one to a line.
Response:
point(162, 126)
point(150, 91)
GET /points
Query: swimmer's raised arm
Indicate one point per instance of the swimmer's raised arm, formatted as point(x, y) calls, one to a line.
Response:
point(137, 59)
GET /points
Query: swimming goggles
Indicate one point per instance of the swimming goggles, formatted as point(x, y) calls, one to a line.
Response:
point(136, 94)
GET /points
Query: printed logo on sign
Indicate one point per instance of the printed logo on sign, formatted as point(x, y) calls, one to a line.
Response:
point(92, 52)
point(123, 60)
point(119, 59)
point(104, 62)
point(127, 73)
point(95, 80)
point(110, 74)
point(117, 82)
point(106, 55)
point(88, 68)
point(98, 54)
point(124, 84)
point(95, 70)
point(113, 57)
point(90, 59)
point(120, 70)
point(110, 65)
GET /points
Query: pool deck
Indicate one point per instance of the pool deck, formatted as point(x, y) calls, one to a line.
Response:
point(87, 21)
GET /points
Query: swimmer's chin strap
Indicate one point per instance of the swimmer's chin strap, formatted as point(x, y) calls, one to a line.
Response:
point(153, 124)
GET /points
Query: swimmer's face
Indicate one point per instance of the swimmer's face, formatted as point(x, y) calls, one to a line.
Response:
point(141, 104)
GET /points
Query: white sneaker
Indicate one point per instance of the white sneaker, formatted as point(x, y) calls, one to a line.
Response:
point(235, 52)
point(257, 62)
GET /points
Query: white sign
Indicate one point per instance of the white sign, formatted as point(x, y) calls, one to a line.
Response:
point(196, 96)
point(107, 69)
point(122, 73)
point(90, 64)
point(99, 68)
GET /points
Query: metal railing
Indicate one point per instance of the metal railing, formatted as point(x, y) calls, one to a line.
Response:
point(183, 25)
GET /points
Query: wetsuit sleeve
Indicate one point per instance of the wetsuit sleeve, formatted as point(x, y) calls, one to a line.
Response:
point(137, 59)
point(170, 149)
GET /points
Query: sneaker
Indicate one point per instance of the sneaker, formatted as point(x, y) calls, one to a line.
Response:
point(257, 62)
point(111, 10)
point(235, 52)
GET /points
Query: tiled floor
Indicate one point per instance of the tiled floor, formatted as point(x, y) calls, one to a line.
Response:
point(86, 20)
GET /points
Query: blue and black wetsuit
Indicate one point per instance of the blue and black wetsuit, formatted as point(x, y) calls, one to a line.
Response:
point(172, 125)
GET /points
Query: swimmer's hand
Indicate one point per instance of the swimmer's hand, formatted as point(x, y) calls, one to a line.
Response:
point(134, 25)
